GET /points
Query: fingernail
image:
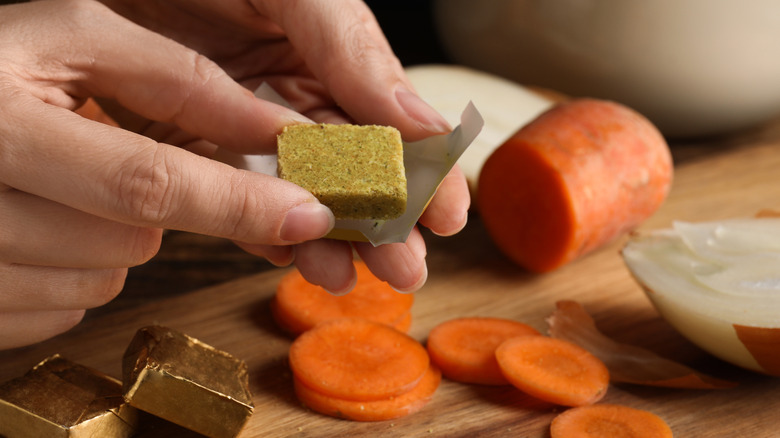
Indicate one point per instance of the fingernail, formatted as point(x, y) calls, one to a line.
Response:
point(420, 111)
point(343, 290)
point(459, 226)
point(307, 221)
point(417, 285)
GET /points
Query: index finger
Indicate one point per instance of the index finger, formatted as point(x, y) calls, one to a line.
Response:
point(56, 154)
point(345, 48)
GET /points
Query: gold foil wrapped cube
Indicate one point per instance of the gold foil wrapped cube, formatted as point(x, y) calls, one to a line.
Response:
point(180, 379)
point(59, 398)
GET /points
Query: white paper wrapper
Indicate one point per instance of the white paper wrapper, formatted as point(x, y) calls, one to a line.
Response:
point(427, 162)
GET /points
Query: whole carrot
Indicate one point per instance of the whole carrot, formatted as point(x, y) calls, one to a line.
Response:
point(578, 176)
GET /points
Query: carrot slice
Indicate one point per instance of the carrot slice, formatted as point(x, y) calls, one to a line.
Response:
point(626, 363)
point(404, 324)
point(465, 348)
point(376, 410)
point(608, 420)
point(299, 305)
point(553, 370)
point(573, 179)
point(357, 359)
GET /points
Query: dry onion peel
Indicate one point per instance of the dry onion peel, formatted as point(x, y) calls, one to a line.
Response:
point(718, 284)
point(626, 363)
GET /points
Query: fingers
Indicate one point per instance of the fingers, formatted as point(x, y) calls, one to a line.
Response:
point(39, 232)
point(26, 328)
point(327, 263)
point(447, 213)
point(82, 49)
point(175, 84)
point(124, 177)
point(402, 265)
point(344, 47)
point(128, 178)
point(276, 255)
point(32, 288)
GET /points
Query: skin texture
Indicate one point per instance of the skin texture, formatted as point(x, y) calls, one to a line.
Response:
point(81, 202)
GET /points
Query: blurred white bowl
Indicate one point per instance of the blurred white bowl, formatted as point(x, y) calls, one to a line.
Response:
point(694, 67)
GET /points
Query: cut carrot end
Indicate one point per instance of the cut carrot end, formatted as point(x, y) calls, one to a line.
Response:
point(377, 410)
point(553, 370)
point(299, 305)
point(608, 420)
point(357, 359)
point(465, 348)
point(525, 206)
point(572, 180)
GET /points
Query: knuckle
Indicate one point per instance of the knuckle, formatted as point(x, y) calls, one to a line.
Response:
point(243, 211)
point(147, 190)
point(202, 72)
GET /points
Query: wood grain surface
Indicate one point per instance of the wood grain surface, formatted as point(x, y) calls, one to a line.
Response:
point(719, 178)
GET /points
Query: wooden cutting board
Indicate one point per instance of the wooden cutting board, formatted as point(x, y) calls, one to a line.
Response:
point(469, 277)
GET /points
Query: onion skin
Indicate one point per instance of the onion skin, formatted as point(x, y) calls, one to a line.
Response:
point(763, 344)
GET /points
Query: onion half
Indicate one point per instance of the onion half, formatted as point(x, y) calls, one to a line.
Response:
point(718, 284)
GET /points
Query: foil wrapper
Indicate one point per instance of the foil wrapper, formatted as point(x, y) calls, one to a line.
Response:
point(426, 163)
point(187, 382)
point(60, 398)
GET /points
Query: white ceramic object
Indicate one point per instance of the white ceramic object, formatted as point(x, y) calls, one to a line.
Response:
point(693, 67)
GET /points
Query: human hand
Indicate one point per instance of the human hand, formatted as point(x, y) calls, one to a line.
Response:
point(331, 61)
point(81, 201)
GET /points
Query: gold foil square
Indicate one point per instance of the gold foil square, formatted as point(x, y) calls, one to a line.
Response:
point(59, 398)
point(180, 379)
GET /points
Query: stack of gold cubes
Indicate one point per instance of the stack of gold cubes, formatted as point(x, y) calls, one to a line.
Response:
point(165, 373)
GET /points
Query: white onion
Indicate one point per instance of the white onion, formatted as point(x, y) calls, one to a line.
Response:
point(505, 105)
point(727, 269)
point(706, 277)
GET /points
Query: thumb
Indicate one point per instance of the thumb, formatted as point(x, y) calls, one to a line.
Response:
point(119, 175)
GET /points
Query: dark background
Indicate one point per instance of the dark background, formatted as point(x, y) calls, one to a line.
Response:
point(411, 30)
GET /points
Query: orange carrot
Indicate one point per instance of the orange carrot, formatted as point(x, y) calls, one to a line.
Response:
point(377, 410)
point(465, 348)
point(553, 370)
point(575, 178)
point(357, 359)
point(403, 324)
point(91, 110)
point(299, 305)
point(608, 421)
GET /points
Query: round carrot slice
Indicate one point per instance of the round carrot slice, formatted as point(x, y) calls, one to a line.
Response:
point(357, 359)
point(553, 370)
point(607, 420)
point(376, 410)
point(465, 348)
point(299, 305)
